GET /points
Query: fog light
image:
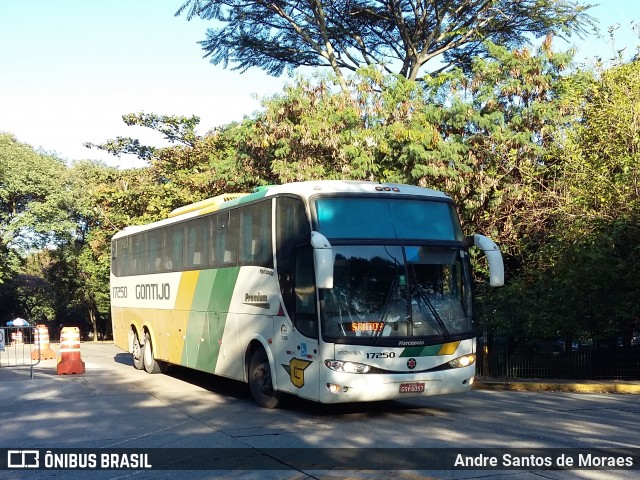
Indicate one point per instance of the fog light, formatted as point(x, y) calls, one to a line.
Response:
point(333, 388)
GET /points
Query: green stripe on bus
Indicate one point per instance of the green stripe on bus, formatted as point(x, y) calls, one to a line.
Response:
point(209, 307)
point(429, 351)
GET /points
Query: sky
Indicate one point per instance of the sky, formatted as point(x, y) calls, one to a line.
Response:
point(69, 70)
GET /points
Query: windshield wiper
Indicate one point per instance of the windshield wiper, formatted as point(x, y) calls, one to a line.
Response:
point(424, 297)
point(385, 309)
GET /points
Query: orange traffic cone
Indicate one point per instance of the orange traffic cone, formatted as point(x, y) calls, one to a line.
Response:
point(70, 361)
point(41, 343)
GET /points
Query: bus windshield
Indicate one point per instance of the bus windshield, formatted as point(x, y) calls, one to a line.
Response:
point(398, 291)
point(387, 217)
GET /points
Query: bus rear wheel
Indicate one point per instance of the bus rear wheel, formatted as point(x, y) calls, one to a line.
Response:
point(260, 381)
point(150, 363)
point(136, 352)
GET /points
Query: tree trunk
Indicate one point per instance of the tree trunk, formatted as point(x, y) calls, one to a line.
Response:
point(93, 319)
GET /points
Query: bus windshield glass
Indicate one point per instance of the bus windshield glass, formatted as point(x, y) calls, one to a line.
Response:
point(387, 218)
point(398, 291)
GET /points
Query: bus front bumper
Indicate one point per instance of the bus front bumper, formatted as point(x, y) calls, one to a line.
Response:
point(339, 387)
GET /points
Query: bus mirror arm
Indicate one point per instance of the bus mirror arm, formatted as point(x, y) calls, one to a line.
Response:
point(494, 257)
point(323, 260)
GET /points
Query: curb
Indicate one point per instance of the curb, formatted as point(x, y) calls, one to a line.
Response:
point(557, 386)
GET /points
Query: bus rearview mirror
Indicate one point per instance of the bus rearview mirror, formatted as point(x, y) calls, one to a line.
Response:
point(323, 260)
point(494, 257)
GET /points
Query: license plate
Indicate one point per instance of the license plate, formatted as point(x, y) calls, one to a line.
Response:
point(411, 387)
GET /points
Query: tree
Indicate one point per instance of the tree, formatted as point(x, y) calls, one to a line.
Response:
point(606, 179)
point(111, 200)
point(603, 198)
point(402, 36)
point(174, 128)
point(193, 168)
point(580, 282)
point(34, 200)
point(486, 137)
point(35, 203)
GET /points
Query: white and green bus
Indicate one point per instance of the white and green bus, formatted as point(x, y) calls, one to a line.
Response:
point(334, 291)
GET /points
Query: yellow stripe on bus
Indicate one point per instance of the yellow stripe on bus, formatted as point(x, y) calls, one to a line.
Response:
point(449, 348)
point(186, 289)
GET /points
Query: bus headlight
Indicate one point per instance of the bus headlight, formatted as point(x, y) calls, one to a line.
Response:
point(347, 367)
point(463, 361)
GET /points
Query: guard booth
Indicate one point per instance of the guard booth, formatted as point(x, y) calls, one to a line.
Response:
point(18, 347)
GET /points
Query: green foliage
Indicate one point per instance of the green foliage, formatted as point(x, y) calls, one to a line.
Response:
point(34, 199)
point(401, 36)
point(173, 128)
point(488, 138)
point(541, 157)
point(606, 181)
point(582, 281)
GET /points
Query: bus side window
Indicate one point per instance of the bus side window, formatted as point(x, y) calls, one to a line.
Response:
point(224, 239)
point(154, 251)
point(136, 265)
point(197, 235)
point(214, 241)
point(173, 246)
point(305, 317)
point(255, 235)
point(120, 262)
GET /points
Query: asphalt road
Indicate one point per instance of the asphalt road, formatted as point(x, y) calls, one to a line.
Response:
point(114, 406)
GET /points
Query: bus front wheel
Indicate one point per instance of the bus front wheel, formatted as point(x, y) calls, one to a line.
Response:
point(150, 363)
point(260, 380)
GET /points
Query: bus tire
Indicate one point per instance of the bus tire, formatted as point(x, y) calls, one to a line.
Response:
point(136, 352)
point(260, 380)
point(150, 363)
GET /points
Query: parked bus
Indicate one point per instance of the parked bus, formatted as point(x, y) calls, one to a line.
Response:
point(334, 291)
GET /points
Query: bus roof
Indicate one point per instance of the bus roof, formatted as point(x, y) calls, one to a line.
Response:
point(304, 189)
point(312, 187)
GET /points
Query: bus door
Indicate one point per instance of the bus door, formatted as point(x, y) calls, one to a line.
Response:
point(300, 350)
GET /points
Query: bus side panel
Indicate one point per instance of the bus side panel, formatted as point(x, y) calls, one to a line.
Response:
point(167, 329)
point(209, 307)
point(179, 319)
point(177, 328)
point(123, 318)
point(159, 334)
point(197, 350)
point(230, 360)
point(222, 333)
point(255, 303)
point(120, 327)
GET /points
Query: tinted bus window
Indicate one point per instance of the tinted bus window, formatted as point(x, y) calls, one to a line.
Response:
point(255, 235)
point(174, 248)
point(292, 231)
point(154, 251)
point(197, 233)
point(138, 247)
point(224, 239)
point(120, 257)
point(387, 218)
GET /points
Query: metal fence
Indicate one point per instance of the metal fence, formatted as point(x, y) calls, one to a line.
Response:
point(506, 357)
point(18, 347)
